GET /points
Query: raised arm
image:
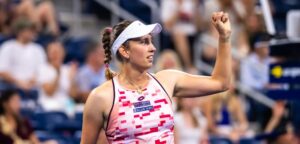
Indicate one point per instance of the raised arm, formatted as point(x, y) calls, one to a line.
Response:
point(222, 70)
point(187, 85)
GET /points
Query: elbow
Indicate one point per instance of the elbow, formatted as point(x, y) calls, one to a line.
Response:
point(225, 86)
point(49, 92)
point(223, 82)
point(74, 94)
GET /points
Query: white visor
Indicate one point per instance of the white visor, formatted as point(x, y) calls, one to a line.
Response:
point(134, 30)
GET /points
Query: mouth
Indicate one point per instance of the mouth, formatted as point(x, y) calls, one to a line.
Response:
point(150, 57)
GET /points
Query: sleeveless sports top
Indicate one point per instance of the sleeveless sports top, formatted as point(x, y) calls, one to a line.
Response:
point(140, 118)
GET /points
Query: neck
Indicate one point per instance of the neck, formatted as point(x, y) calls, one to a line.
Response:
point(22, 40)
point(9, 117)
point(261, 57)
point(133, 74)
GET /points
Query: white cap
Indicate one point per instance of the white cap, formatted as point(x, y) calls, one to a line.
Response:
point(134, 30)
point(261, 44)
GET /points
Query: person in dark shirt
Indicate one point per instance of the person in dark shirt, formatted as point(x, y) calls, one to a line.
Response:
point(13, 128)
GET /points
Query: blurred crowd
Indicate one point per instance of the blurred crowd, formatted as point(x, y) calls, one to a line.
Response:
point(232, 115)
point(35, 75)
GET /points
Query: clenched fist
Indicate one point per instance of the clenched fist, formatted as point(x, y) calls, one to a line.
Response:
point(221, 22)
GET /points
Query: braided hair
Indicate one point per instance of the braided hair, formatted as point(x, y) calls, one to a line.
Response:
point(108, 37)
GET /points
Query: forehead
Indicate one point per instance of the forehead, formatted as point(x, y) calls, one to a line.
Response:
point(55, 46)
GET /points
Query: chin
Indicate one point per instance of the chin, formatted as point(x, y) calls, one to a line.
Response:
point(148, 66)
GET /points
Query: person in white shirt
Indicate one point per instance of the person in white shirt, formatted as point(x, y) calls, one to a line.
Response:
point(21, 58)
point(255, 68)
point(255, 74)
point(190, 124)
point(57, 81)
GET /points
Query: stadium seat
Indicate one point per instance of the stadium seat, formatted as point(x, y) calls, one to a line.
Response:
point(45, 135)
point(78, 117)
point(75, 49)
point(137, 8)
point(48, 120)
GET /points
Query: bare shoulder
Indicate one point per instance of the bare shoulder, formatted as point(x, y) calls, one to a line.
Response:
point(101, 96)
point(103, 90)
point(170, 75)
point(168, 79)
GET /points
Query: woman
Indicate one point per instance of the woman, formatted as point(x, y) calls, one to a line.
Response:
point(168, 59)
point(41, 12)
point(57, 81)
point(135, 106)
point(226, 117)
point(190, 124)
point(13, 128)
point(182, 19)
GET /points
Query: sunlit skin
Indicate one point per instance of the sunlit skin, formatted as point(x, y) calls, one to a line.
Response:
point(13, 105)
point(141, 51)
point(138, 58)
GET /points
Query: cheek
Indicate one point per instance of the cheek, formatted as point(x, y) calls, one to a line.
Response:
point(14, 106)
point(61, 56)
point(29, 34)
point(169, 64)
point(53, 56)
point(138, 53)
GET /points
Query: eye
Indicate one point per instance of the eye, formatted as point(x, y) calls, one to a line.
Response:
point(146, 41)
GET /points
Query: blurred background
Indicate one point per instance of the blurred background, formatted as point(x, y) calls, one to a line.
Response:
point(51, 58)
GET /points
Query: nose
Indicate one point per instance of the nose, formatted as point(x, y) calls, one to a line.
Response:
point(152, 48)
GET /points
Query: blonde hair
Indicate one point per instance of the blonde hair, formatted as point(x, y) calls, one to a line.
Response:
point(168, 55)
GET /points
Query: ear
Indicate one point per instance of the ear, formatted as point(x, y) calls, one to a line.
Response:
point(124, 52)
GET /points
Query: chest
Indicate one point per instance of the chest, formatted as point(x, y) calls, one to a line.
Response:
point(141, 114)
point(24, 57)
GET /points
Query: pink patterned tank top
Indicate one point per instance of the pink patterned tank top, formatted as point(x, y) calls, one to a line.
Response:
point(140, 118)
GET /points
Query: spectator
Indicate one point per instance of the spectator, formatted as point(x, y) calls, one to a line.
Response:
point(21, 58)
point(226, 116)
point(57, 81)
point(255, 27)
point(279, 126)
point(255, 74)
point(92, 73)
point(168, 59)
point(236, 10)
point(190, 124)
point(255, 68)
point(42, 13)
point(182, 20)
point(5, 29)
point(13, 128)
